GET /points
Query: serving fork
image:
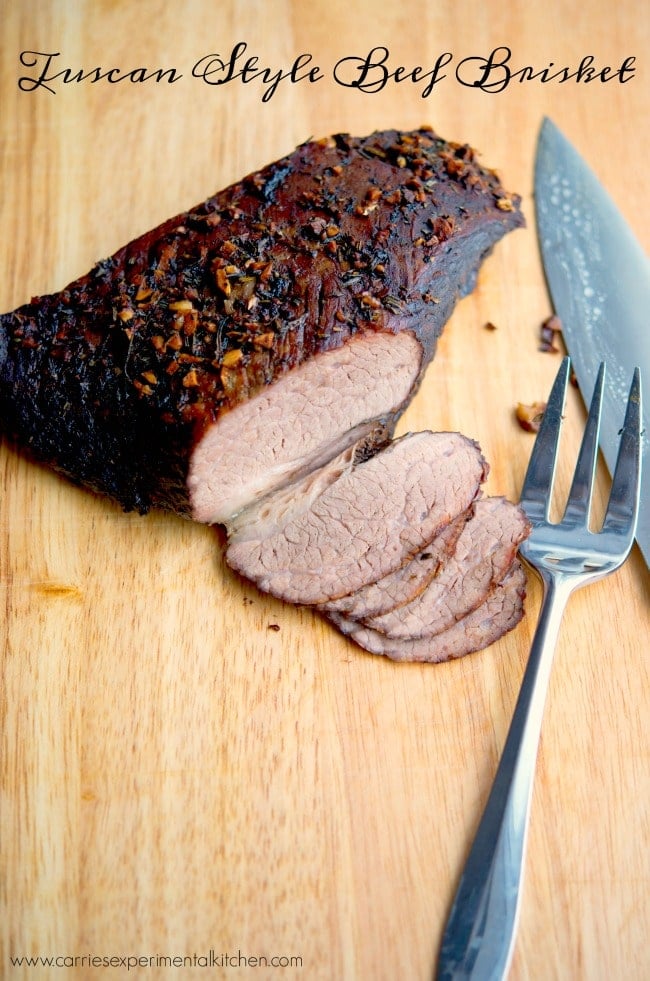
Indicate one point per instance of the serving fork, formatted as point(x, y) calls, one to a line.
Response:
point(479, 936)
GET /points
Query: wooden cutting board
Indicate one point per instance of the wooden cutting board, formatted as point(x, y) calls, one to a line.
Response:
point(191, 769)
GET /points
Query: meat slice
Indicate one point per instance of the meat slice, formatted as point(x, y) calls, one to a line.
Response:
point(364, 525)
point(500, 612)
point(483, 554)
point(308, 417)
point(180, 371)
point(405, 584)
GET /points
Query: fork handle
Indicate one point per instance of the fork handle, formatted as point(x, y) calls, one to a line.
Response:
point(479, 936)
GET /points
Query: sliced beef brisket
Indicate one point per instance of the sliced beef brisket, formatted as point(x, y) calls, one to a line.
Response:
point(405, 584)
point(246, 362)
point(500, 612)
point(302, 421)
point(483, 554)
point(366, 523)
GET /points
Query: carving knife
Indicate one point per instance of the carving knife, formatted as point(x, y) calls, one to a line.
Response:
point(599, 280)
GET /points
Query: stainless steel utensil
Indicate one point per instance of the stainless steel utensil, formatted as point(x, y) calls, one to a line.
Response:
point(599, 280)
point(479, 936)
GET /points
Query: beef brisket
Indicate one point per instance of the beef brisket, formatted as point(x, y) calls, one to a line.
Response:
point(405, 584)
point(254, 337)
point(359, 524)
point(484, 552)
point(246, 362)
point(500, 612)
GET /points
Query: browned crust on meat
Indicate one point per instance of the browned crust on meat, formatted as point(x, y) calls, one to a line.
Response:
point(113, 379)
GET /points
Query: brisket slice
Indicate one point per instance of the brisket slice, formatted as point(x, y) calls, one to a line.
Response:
point(178, 372)
point(484, 552)
point(303, 420)
point(355, 526)
point(405, 584)
point(500, 612)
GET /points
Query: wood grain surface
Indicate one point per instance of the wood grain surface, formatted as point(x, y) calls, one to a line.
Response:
point(179, 776)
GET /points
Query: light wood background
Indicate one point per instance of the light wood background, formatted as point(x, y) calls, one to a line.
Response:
point(176, 775)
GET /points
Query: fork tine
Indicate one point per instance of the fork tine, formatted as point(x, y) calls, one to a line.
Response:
point(622, 507)
point(538, 482)
point(579, 501)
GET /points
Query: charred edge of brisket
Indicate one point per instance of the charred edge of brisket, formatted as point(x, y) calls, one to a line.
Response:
point(120, 372)
point(102, 440)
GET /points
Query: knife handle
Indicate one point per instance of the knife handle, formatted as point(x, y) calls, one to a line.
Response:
point(479, 936)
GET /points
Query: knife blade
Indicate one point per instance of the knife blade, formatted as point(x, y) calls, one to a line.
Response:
point(599, 281)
